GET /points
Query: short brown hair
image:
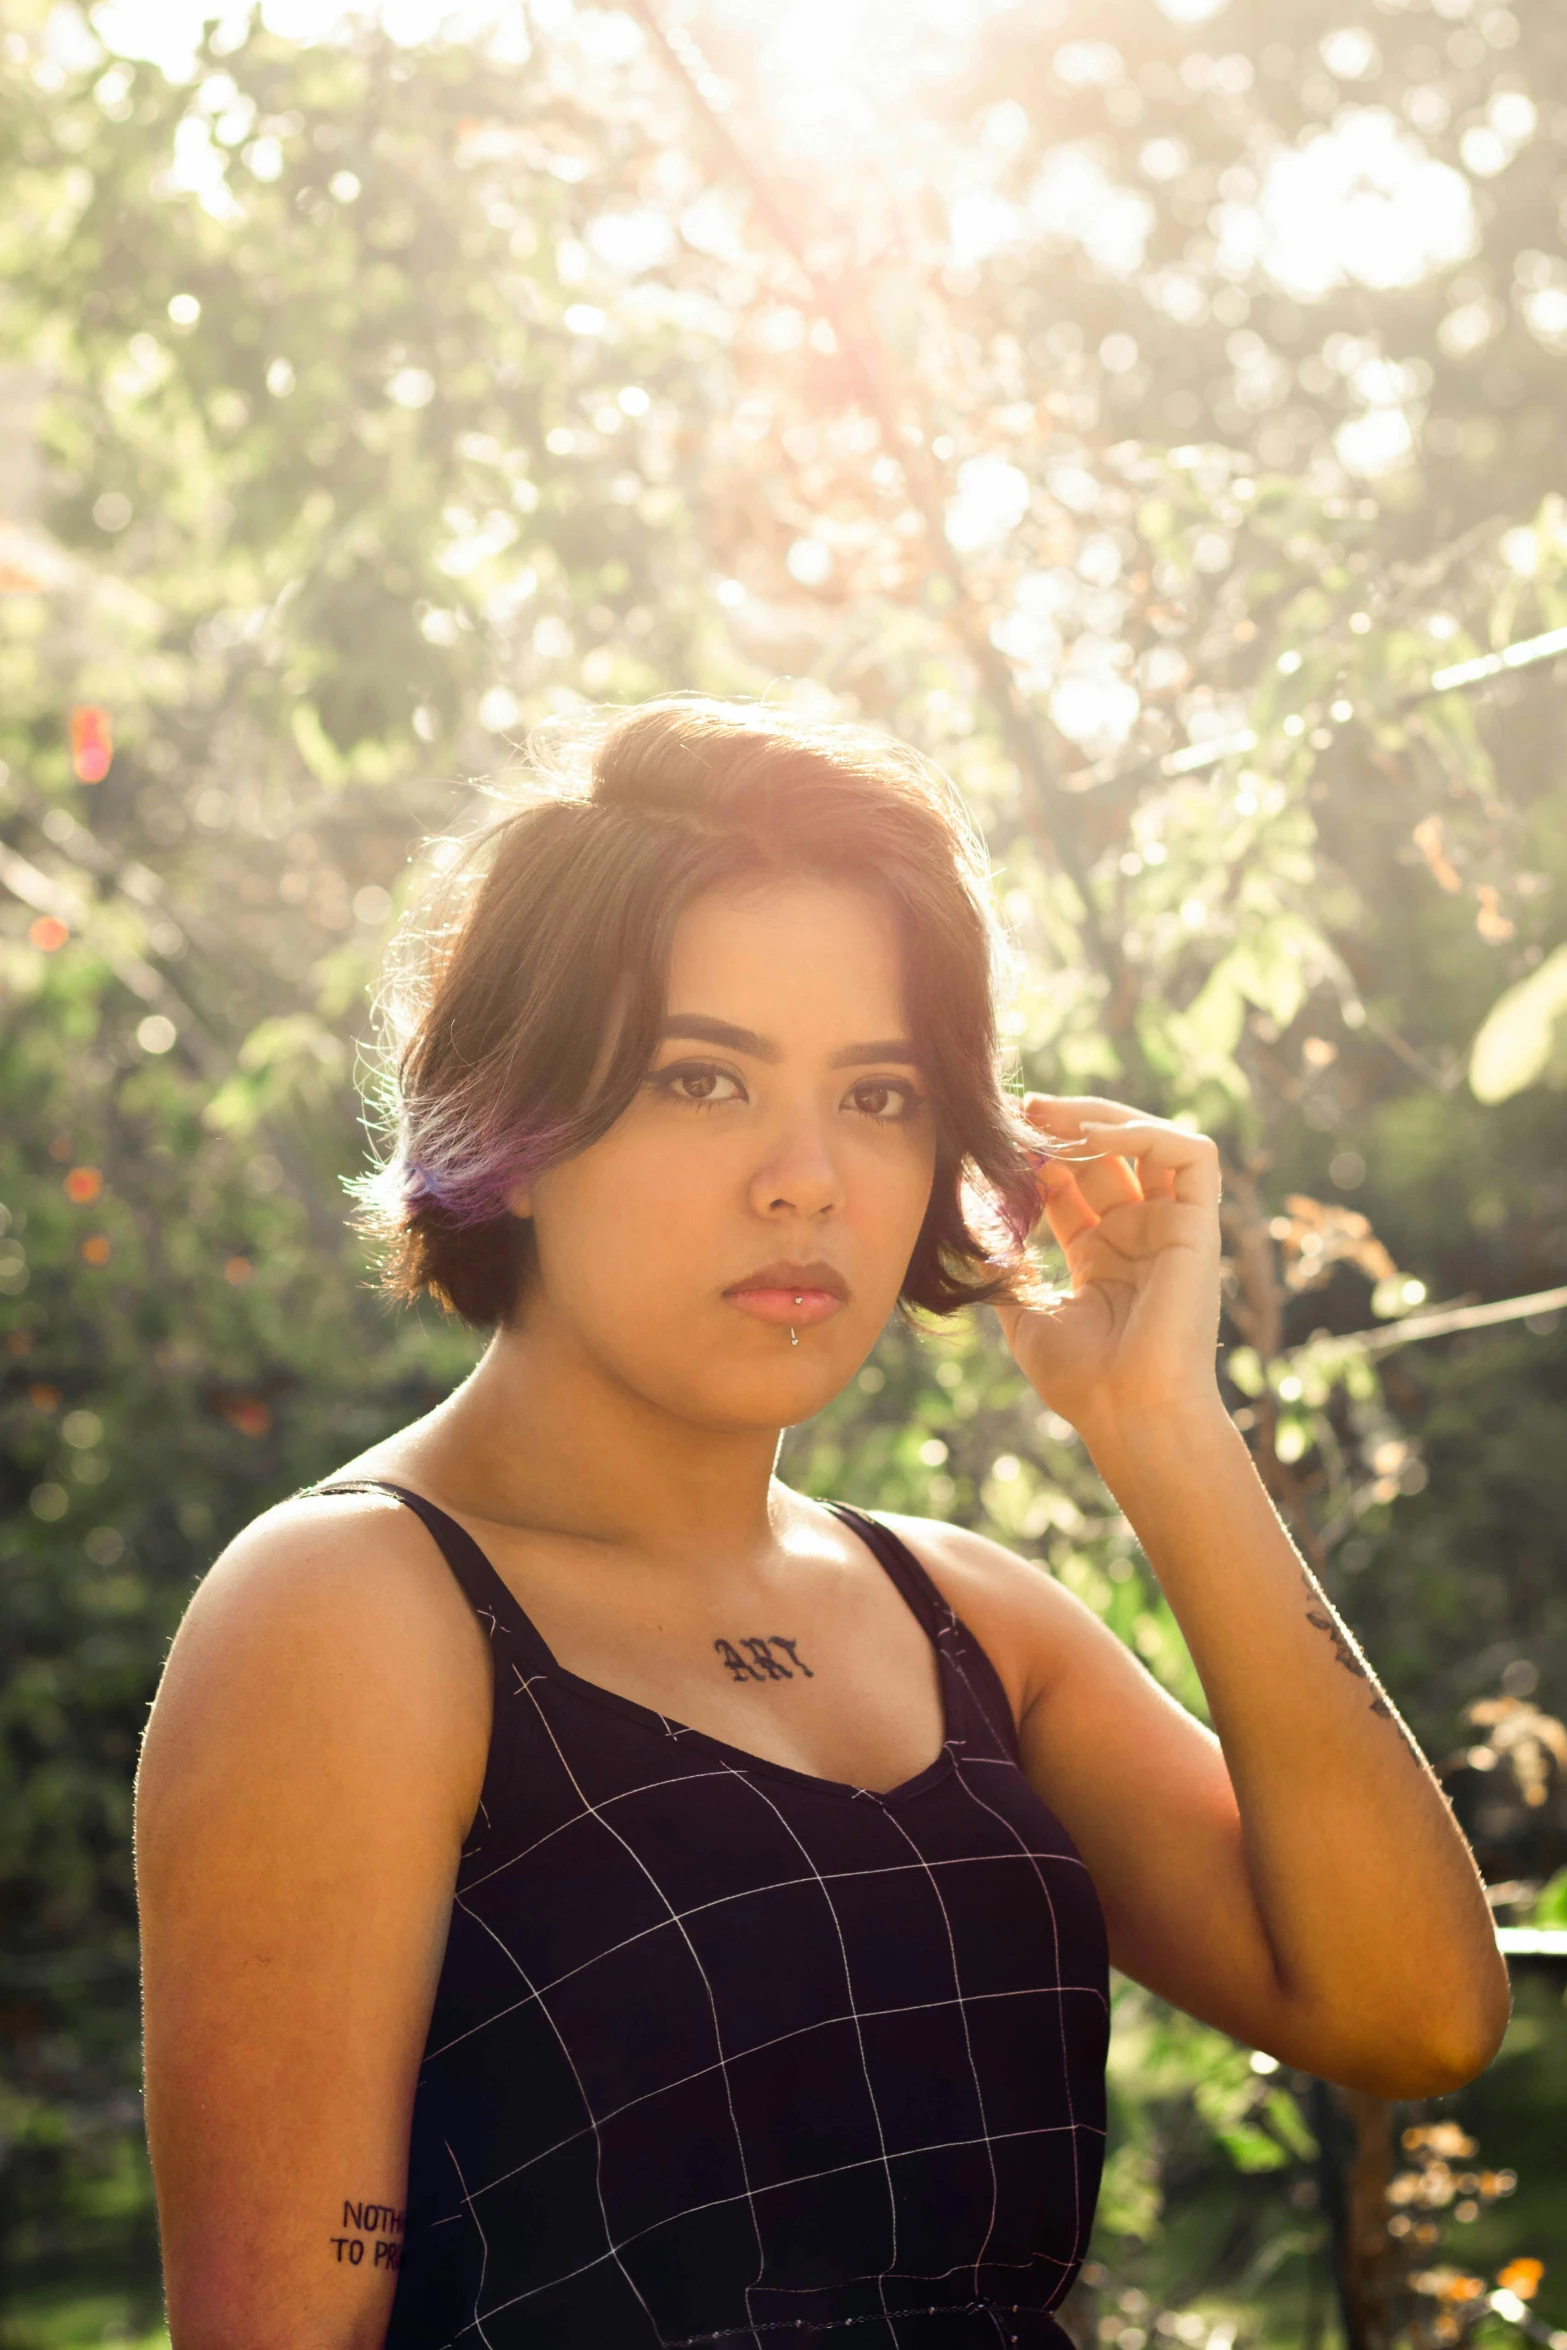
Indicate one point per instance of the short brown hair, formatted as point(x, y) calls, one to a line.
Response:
point(557, 921)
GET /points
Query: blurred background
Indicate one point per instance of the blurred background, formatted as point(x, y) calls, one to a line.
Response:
point(1152, 408)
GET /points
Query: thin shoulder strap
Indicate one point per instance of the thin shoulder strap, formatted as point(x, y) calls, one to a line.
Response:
point(904, 1568)
point(952, 1637)
point(492, 1601)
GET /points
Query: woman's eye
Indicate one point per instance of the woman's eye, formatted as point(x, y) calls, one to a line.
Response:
point(697, 1084)
point(701, 1085)
point(873, 1099)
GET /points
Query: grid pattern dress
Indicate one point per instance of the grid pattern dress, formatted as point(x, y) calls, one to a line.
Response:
point(723, 2053)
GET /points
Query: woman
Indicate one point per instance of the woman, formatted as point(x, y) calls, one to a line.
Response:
point(595, 1897)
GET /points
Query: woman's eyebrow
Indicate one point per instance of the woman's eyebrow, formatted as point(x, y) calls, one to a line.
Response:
point(885, 1048)
point(698, 1026)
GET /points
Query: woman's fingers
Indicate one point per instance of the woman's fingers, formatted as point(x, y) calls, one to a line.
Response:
point(1169, 1161)
point(1053, 1109)
point(1119, 1155)
point(1068, 1214)
point(1104, 1180)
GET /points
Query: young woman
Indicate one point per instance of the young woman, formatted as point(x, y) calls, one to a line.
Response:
point(594, 1897)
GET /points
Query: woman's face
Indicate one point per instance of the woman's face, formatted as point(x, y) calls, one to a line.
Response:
point(783, 1139)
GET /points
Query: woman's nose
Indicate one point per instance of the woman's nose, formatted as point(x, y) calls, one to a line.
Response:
point(800, 1172)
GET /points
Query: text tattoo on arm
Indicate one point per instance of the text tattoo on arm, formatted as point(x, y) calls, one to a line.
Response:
point(378, 2228)
point(763, 1665)
point(1346, 1655)
point(1344, 1652)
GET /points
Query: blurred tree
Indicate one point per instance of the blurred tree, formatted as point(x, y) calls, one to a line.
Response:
point(1151, 412)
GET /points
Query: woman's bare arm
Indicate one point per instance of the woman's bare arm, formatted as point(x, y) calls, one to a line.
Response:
point(311, 1765)
point(1369, 1909)
point(1302, 1881)
point(1303, 1886)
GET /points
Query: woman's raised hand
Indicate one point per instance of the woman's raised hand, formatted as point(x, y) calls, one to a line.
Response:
point(1133, 1204)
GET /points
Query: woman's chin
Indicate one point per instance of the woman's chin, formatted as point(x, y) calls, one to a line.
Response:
point(746, 1389)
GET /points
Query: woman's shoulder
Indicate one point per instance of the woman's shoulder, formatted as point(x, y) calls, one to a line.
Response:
point(974, 1573)
point(1027, 1623)
point(332, 1552)
point(333, 1607)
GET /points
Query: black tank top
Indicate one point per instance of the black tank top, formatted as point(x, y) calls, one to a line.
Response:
point(724, 2053)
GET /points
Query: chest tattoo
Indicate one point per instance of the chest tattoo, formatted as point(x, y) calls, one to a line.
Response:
point(761, 1664)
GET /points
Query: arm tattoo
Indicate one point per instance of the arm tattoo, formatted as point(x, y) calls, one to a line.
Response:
point(378, 2227)
point(1346, 1655)
point(763, 1665)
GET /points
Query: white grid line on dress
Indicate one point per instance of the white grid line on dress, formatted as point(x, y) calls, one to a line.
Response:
point(648, 1787)
point(1078, 2246)
point(1055, 1935)
point(598, 2163)
point(824, 2325)
point(859, 2039)
point(712, 2001)
point(819, 2023)
point(804, 2179)
point(484, 2248)
point(956, 1860)
point(1066, 2074)
point(950, 1636)
point(525, 1686)
point(573, 1683)
point(968, 2045)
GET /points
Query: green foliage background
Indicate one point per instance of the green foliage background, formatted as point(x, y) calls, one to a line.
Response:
point(362, 402)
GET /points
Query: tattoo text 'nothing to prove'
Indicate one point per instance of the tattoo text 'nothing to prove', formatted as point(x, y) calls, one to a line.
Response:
point(379, 2224)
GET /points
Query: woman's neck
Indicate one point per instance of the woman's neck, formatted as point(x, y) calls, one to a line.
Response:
point(543, 1436)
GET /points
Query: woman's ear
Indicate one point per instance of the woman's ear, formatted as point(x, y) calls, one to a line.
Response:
point(519, 1200)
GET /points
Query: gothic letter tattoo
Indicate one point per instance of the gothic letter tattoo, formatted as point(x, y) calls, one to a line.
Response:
point(763, 1667)
point(769, 1668)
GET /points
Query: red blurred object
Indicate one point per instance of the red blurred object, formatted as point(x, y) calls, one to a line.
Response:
point(92, 742)
point(247, 1413)
point(83, 1185)
point(48, 933)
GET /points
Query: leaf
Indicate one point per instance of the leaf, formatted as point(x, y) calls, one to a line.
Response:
point(1130, 2195)
point(1251, 2150)
point(320, 755)
point(1270, 970)
point(1289, 2126)
point(291, 1056)
point(290, 1036)
point(1516, 1038)
point(1551, 1907)
point(1211, 1026)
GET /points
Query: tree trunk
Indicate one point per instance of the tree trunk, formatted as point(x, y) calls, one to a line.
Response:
point(1370, 2268)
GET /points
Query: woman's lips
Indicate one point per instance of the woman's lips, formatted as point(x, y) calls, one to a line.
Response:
point(801, 1307)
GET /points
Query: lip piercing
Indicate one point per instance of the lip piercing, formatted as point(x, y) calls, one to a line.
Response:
point(794, 1336)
